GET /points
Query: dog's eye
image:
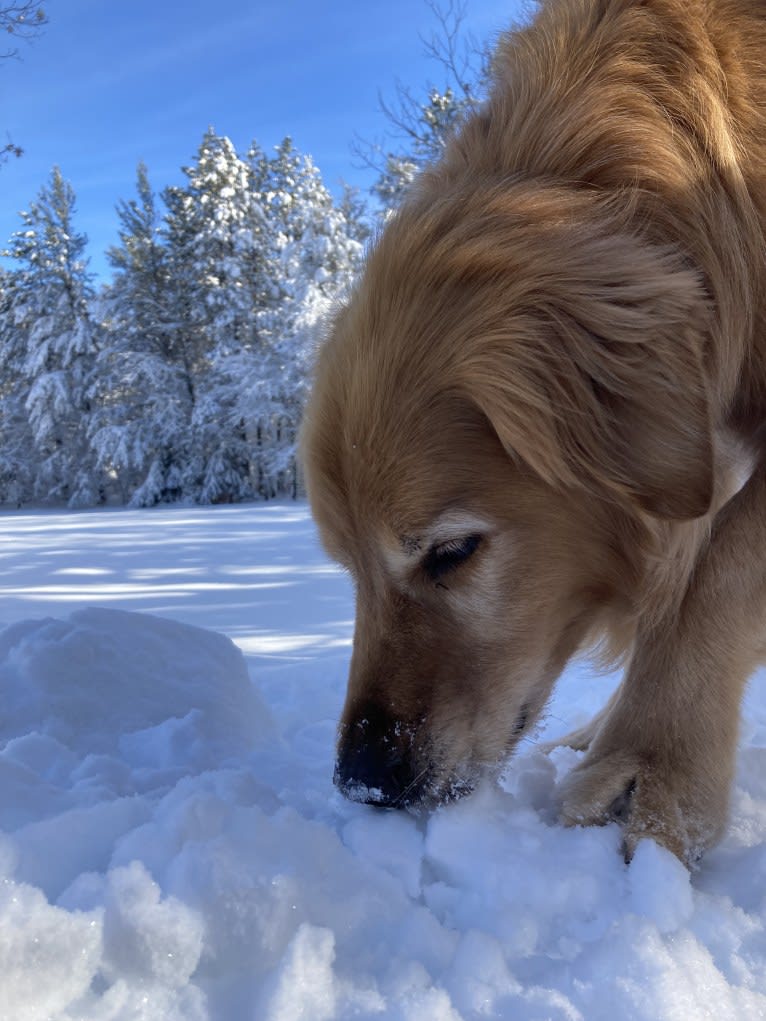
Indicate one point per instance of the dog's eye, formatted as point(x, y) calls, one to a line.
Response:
point(447, 556)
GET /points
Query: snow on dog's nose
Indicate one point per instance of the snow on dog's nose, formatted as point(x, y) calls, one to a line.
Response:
point(375, 762)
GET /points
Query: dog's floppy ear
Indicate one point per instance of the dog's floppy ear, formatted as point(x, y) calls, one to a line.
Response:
point(597, 377)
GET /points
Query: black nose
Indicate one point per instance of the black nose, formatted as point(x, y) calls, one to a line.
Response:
point(375, 761)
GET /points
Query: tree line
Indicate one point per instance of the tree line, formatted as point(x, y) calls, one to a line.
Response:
point(184, 377)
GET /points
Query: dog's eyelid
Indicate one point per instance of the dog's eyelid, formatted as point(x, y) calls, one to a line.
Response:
point(447, 556)
point(456, 544)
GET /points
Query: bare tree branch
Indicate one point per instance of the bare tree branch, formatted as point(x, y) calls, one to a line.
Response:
point(448, 47)
point(420, 124)
point(22, 20)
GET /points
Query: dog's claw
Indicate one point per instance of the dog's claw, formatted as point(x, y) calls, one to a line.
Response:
point(619, 787)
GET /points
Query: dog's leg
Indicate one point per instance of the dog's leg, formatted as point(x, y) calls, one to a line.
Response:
point(663, 759)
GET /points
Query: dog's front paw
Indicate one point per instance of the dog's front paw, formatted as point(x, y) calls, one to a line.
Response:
point(667, 803)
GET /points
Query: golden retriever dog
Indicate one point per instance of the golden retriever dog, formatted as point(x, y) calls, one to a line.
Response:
point(537, 426)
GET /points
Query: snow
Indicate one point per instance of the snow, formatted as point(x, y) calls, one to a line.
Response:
point(172, 847)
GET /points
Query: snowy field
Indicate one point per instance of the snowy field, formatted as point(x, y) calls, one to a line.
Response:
point(172, 848)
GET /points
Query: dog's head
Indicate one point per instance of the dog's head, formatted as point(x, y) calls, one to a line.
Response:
point(516, 383)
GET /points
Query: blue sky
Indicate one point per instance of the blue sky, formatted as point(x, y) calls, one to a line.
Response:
point(112, 82)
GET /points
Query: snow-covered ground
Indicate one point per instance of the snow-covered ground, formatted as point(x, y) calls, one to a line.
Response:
point(172, 848)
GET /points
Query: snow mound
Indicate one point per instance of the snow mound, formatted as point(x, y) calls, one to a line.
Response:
point(107, 681)
point(104, 714)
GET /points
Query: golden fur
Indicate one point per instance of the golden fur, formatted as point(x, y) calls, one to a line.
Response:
point(526, 427)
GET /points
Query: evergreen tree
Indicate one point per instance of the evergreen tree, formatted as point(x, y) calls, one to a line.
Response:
point(312, 257)
point(18, 462)
point(51, 292)
point(214, 230)
point(144, 401)
point(354, 211)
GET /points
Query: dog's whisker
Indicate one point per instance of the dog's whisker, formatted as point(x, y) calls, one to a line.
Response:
point(413, 785)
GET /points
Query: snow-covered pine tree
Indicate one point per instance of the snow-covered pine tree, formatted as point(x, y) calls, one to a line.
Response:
point(142, 415)
point(314, 252)
point(214, 231)
point(52, 289)
point(353, 209)
point(18, 461)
